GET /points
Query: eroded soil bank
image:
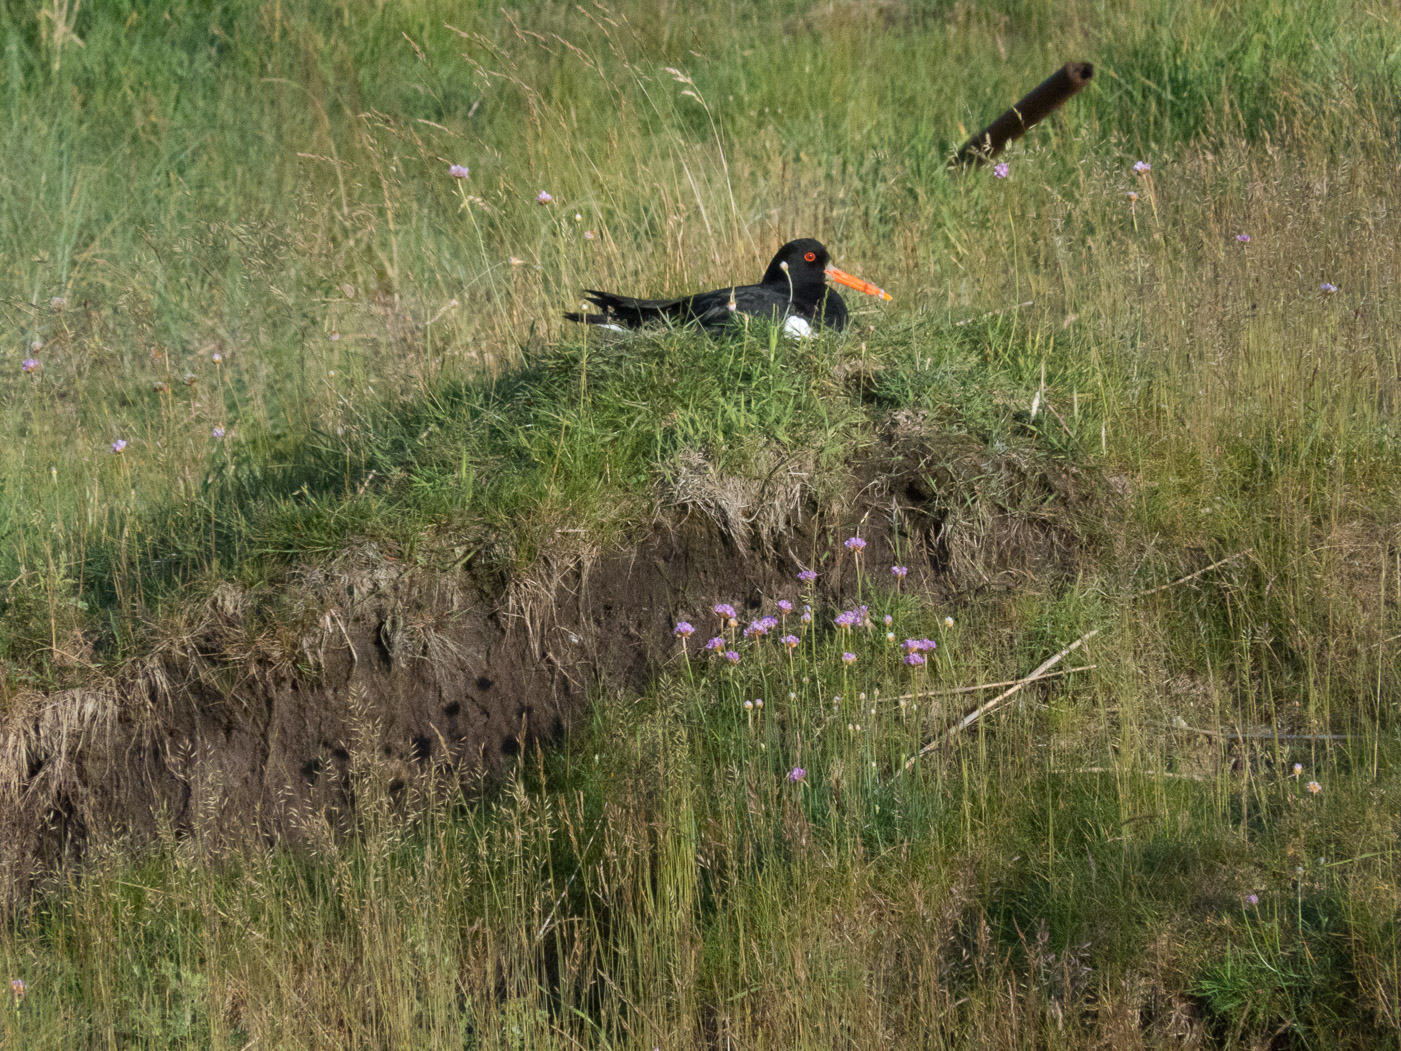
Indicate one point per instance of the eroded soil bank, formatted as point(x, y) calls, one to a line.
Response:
point(234, 733)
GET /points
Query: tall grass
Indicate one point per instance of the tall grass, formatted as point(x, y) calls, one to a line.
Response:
point(740, 855)
point(268, 183)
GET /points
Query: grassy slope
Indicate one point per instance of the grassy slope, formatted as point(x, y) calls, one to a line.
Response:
point(278, 176)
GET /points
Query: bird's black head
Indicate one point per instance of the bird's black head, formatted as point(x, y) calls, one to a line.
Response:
point(799, 273)
point(802, 262)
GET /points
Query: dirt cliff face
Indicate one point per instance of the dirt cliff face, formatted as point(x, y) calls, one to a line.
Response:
point(234, 730)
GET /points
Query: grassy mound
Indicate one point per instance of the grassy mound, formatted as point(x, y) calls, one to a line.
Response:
point(229, 240)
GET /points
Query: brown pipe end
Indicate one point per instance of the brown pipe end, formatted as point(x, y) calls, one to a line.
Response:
point(1031, 109)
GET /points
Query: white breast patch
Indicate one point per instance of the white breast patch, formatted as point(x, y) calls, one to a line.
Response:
point(795, 327)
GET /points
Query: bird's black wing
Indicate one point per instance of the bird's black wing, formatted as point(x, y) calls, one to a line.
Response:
point(713, 311)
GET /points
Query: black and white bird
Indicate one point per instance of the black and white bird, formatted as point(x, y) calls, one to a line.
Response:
point(793, 292)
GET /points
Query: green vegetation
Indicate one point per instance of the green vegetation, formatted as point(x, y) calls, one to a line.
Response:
point(239, 216)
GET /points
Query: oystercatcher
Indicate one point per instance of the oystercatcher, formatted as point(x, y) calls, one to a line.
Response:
point(794, 291)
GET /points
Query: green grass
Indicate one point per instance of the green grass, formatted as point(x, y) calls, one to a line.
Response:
point(254, 179)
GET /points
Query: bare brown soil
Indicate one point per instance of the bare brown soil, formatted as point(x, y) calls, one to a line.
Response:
point(235, 732)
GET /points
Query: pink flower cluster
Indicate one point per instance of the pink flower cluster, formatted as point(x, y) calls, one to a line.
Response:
point(759, 628)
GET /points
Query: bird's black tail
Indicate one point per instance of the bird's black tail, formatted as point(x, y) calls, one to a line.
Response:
point(587, 319)
point(627, 312)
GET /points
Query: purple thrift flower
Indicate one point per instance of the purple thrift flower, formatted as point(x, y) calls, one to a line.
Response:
point(784, 606)
point(1001, 170)
point(1327, 288)
point(724, 609)
point(914, 660)
point(217, 432)
point(119, 445)
point(797, 774)
point(683, 630)
point(716, 644)
point(732, 656)
point(1142, 167)
point(807, 616)
point(845, 619)
point(1243, 238)
point(1252, 899)
point(29, 364)
point(848, 658)
point(855, 543)
point(899, 572)
point(889, 620)
point(543, 197)
point(769, 623)
point(807, 576)
point(458, 171)
point(791, 641)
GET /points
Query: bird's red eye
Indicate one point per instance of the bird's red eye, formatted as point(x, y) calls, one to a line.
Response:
point(811, 257)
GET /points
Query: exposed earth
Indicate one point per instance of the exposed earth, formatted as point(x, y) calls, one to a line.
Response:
point(233, 731)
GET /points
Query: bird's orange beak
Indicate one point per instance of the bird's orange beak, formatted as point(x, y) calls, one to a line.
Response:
point(841, 277)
